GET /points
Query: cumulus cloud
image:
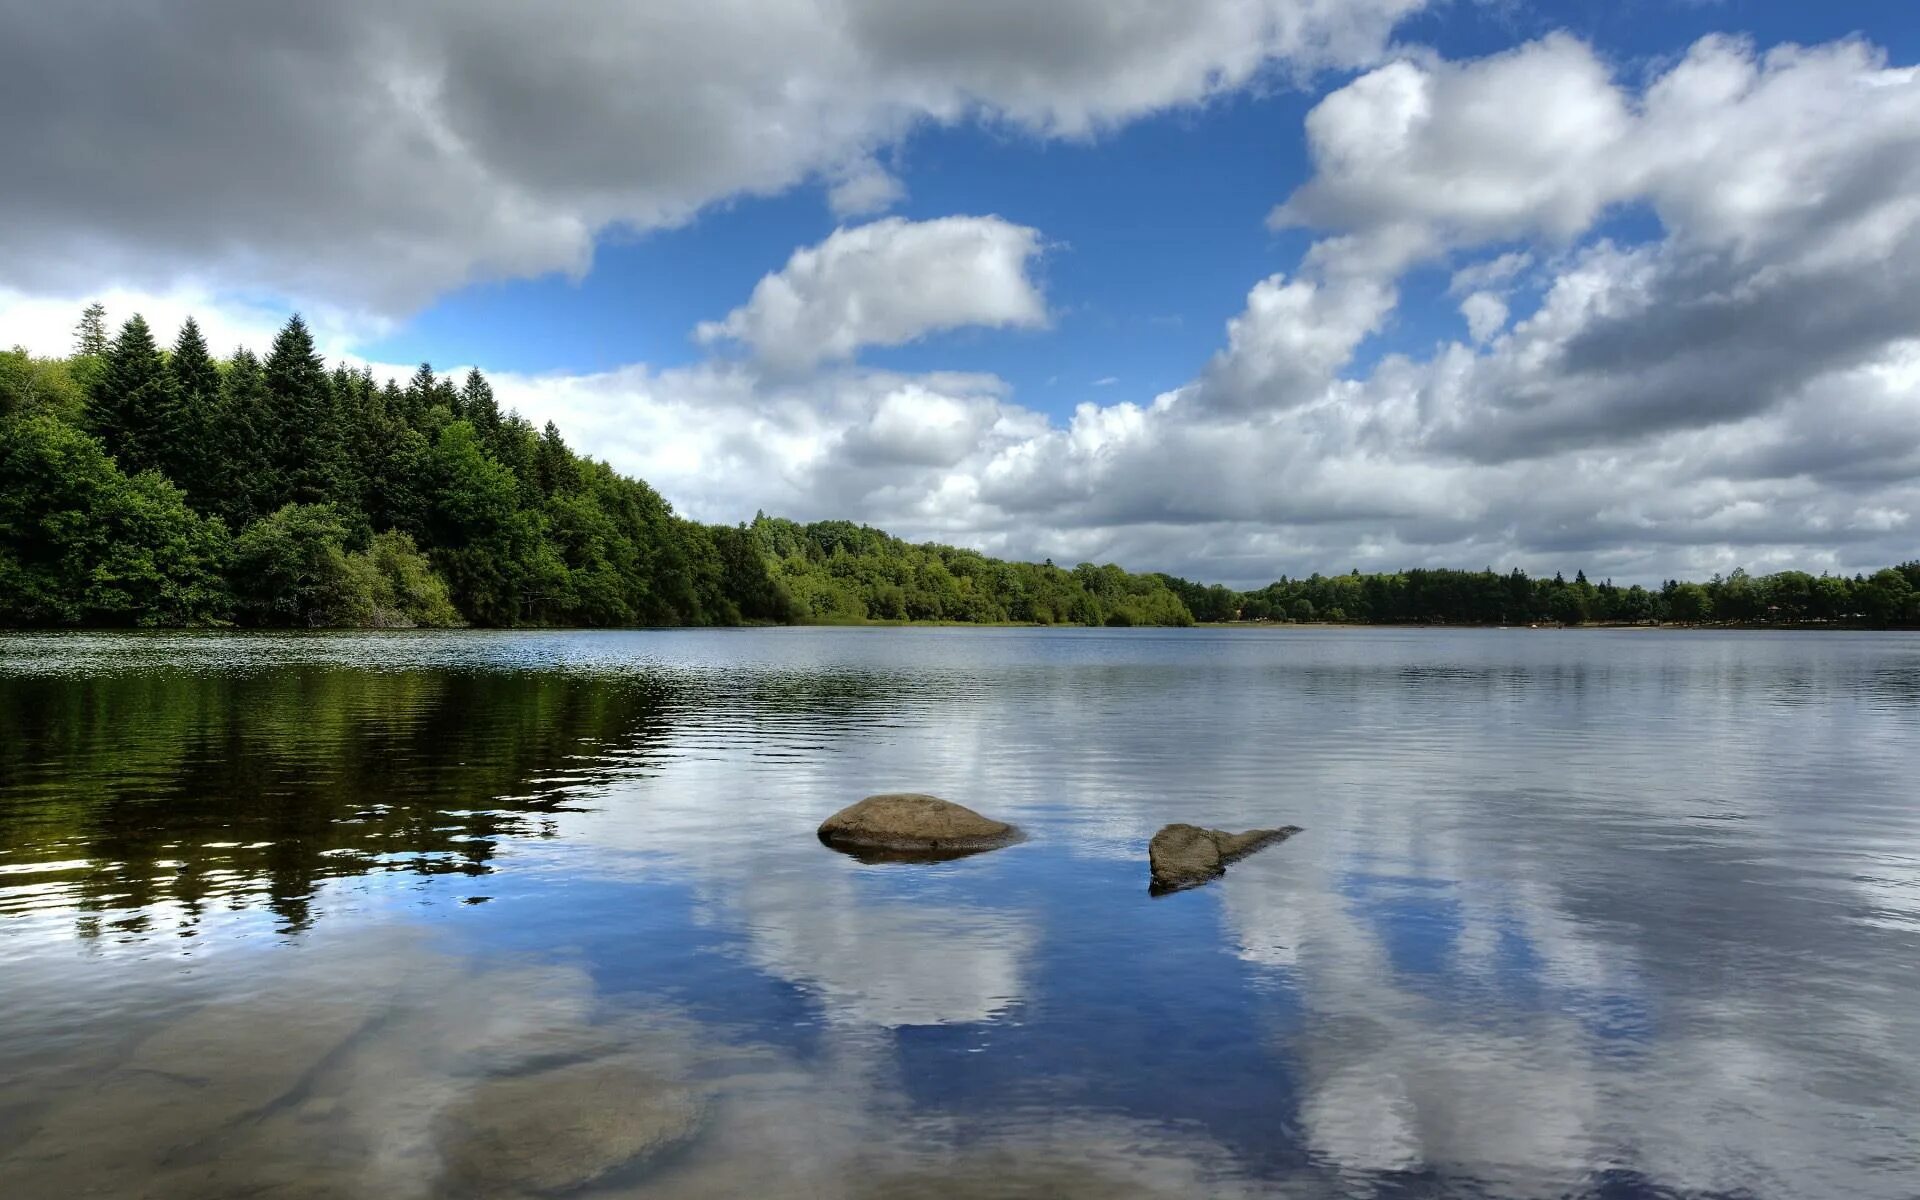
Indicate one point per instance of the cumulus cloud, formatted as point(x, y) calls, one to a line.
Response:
point(1505, 146)
point(1785, 183)
point(723, 439)
point(1291, 339)
point(887, 283)
point(1738, 390)
point(377, 154)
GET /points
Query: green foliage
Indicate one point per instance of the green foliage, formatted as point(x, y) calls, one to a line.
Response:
point(837, 572)
point(244, 445)
point(499, 566)
point(90, 334)
point(34, 385)
point(1423, 596)
point(132, 406)
point(290, 567)
point(189, 452)
point(304, 435)
point(81, 543)
point(1688, 602)
point(369, 504)
point(293, 568)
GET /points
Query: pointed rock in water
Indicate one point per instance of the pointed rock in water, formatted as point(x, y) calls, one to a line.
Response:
point(1182, 856)
point(910, 825)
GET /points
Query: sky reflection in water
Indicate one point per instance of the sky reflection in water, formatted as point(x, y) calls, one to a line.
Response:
point(1611, 914)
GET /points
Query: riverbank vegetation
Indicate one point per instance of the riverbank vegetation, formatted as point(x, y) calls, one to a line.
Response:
point(143, 485)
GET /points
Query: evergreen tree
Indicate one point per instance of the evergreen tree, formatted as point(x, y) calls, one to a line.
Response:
point(306, 435)
point(190, 454)
point(421, 390)
point(477, 405)
point(90, 335)
point(246, 446)
point(132, 404)
point(555, 468)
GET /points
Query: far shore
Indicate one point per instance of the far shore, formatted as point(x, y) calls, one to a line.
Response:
point(879, 623)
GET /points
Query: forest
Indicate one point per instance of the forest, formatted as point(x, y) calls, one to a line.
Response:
point(162, 486)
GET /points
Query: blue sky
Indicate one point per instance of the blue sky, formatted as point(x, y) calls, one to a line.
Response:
point(1236, 288)
point(1156, 228)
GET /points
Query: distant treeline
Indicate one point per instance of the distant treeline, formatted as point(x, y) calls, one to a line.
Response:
point(1889, 597)
point(838, 571)
point(142, 485)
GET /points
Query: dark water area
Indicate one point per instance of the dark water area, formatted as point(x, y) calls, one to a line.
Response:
point(1591, 913)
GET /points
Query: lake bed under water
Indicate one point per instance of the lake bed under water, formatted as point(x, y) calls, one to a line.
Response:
point(1608, 913)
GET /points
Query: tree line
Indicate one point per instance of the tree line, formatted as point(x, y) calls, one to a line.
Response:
point(162, 486)
point(1887, 598)
point(836, 571)
point(153, 485)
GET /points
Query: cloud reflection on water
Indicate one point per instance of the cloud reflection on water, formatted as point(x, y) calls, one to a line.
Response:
point(1571, 915)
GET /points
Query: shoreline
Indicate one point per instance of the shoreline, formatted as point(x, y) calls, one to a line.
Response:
point(1648, 626)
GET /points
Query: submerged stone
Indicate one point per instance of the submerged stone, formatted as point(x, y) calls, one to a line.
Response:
point(911, 825)
point(178, 1102)
point(557, 1130)
point(1183, 856)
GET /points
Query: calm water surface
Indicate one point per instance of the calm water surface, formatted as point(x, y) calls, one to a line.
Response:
point(1611, 914)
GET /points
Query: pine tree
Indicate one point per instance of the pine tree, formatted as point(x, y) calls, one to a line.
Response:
point(306, 434)
point(132, 400)
point(251, 485)
point(395, 499)
point(420, 391)
point(189, 453)
point(478, 405)
point(90, 335)
point(556, 469)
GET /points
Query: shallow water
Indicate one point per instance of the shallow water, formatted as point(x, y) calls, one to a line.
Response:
point(1593, 913)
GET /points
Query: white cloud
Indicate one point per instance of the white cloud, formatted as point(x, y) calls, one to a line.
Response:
point(1448, 153)
point(865, 189)
point(1285, 348)
point(375, 155)
point(1490, 274)
point(1738, 390)
point(1486, 315)
point(887, 283)
point(44, 324)
point(722, 440)
point(1733, 149)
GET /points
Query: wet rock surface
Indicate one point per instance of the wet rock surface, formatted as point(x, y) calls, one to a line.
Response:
point(1183, 856)
point(163, 1121)
point(911, 825)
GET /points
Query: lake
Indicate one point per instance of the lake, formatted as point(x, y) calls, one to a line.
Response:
point(1610, 913)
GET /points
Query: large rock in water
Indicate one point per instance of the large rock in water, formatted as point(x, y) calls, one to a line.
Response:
point(1182, 856)
point(907, 824)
